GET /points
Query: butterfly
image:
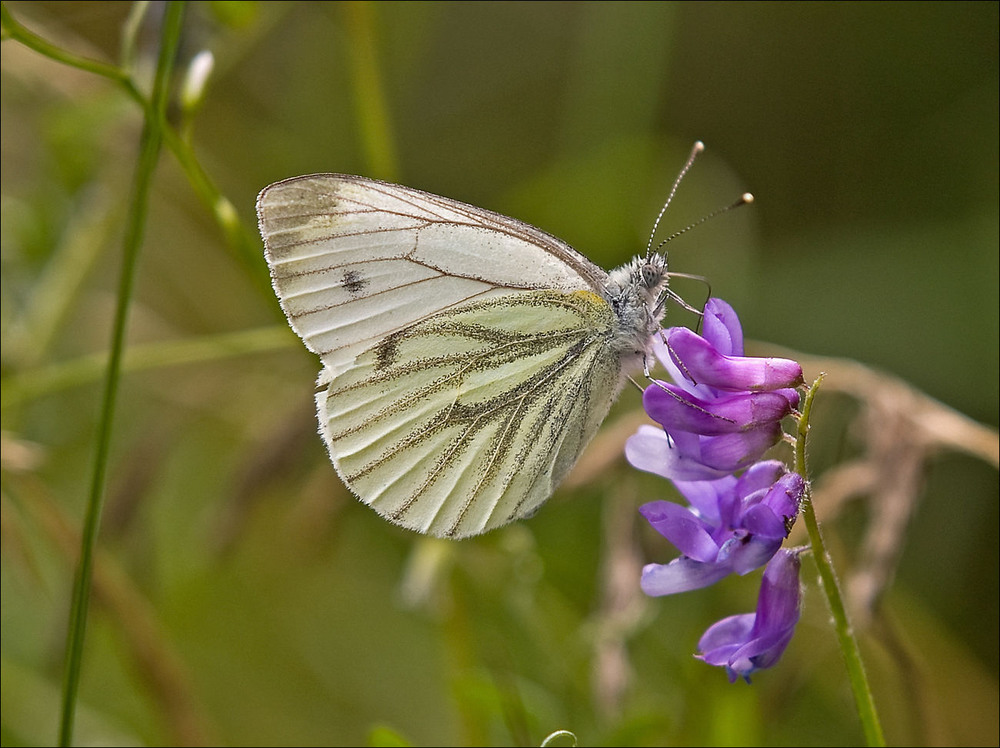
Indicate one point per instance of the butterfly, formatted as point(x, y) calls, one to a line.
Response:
point(468, 358)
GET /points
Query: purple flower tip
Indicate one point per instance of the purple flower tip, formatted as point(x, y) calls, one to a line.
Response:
point(752, 641)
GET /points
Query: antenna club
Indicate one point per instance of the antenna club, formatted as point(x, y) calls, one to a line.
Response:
point(747, 198)
point(698, 146)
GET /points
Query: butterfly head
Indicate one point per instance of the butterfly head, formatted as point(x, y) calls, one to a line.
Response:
point(635, 291)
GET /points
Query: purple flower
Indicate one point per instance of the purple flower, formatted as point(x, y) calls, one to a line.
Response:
point(720, 416)
point(724, 409)
point(749, 642)
point(733, 525)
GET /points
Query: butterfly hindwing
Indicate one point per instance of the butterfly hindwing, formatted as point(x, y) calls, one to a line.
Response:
point(470, 418)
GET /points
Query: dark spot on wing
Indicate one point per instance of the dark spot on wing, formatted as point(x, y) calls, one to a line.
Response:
point(353, 282)
point(386, 351)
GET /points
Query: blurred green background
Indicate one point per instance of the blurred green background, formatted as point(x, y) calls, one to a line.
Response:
point(242, 597)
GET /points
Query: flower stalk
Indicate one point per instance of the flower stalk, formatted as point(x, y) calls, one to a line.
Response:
point(863, 700)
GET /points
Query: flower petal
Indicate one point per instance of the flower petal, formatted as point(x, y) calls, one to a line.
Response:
point(680, 575)
point(780, 600)
point(761, 652)
point(682, 528)
point(650, 449)
point(730, 632)
point(663, 355)
point(721, 327)
point(731, 452)
point(742, 555)
point(703, 364)
point(785, 496)
point(705, 495)
point(761, 521)
point(760, 476)
point(678, 410)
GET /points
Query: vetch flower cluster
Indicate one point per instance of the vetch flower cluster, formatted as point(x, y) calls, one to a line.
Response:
point(722, 412)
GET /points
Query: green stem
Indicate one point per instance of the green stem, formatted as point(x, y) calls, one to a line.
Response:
point(828, 581)
point(151, 140)
point(32, 384)
point(14, 30)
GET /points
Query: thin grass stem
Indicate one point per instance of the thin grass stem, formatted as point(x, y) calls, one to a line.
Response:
point(150, 144)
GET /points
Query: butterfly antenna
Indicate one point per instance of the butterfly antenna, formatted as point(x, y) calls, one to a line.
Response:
point(695, 150)
point(745, 199)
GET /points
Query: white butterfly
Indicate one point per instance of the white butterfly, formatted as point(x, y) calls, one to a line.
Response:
point(468, 358)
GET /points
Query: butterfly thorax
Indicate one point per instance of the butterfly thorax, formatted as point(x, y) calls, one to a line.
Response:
point(635, 292)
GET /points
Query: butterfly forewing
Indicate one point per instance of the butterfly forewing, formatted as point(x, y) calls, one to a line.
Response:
point(354, 259)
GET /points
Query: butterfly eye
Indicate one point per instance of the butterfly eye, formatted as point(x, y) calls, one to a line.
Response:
point(650, 275)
